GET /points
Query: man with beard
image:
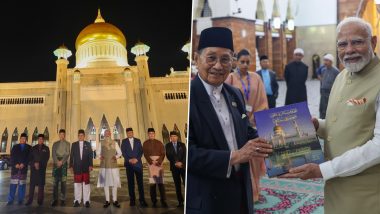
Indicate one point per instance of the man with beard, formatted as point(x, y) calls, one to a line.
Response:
point(38, 158)
point(220, 137)
point(295, 78)
point(109, 176)
point(351, 129)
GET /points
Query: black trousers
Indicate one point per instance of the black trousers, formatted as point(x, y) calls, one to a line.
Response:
point(131, 173)
point(153, 192)
point(177, 175)
point(40, 198)
point(271, 101)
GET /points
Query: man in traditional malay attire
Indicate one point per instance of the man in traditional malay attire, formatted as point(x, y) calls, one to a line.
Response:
point(19, 162)
point(219, 143)
point(154, 153)
point(351, 129)
point(132, 150)
point(81, 158)
point(39, 157)
point(60, 153)
point(108, 152)
point(176, 154)
point(295, 75)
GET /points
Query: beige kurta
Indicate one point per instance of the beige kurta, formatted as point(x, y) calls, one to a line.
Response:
point(346, 127)
point(258, 101)
point(109, 175)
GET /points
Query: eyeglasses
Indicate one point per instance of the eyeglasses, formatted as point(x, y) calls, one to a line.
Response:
point(355, 43)
point(224, 60)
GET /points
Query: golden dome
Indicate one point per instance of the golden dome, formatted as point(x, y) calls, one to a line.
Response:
point(100, 30)
point(277, 129)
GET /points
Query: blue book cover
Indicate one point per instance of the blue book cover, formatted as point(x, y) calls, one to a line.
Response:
point(291, 132)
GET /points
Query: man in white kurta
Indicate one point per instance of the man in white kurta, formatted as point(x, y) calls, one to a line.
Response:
point(109, 151)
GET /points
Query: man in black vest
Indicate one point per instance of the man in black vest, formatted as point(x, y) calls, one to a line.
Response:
point(176, 154)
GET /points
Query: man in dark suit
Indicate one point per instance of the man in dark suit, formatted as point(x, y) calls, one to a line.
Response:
point(38, 158)
point(176, 154)
point(296, 73)
point(81, 165)
point(220, 145)
point(132, 152)
point(269, 80)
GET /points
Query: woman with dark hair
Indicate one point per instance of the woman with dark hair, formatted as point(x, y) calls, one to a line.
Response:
point(250, 84)
point(253, 90)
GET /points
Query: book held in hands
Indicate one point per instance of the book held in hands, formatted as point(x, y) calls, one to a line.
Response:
point(291, 132)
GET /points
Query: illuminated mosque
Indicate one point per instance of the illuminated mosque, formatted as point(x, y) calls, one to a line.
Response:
point(102, 91)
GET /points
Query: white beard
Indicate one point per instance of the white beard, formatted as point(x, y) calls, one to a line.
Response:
point(358, 66)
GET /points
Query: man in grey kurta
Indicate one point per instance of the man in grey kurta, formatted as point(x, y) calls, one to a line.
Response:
point(328, 75)
point(60, 153)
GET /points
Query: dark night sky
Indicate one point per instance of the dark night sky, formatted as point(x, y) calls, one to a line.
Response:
point(32, 30)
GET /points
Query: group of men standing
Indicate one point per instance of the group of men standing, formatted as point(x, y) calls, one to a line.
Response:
point(78, 157)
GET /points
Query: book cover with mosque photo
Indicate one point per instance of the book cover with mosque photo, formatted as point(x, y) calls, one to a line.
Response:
point(291, 132)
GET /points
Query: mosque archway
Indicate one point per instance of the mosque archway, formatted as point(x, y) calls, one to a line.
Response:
point(4, 140)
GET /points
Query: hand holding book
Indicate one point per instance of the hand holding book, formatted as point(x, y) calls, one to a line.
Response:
point(254, 148)
point(304, 172)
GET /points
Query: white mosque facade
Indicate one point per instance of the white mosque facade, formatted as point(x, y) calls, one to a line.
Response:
point(101, 92)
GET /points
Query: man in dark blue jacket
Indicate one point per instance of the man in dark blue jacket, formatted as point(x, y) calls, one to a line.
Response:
point(220, 145)
point(19, 162)
point(132, 152)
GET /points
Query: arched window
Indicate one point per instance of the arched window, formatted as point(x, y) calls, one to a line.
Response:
point(165, 134)
point(27, 134)
point(103, 127)
point(35, 137)
point(206, 11)
point(91, 133)
point(179, 132)
point(118, 131)
point(4, 141)
point(14, 139)
point(46, 134)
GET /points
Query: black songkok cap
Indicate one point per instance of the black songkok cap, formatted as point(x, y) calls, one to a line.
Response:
point(263, 57)
point(129, 129)
point(81, 131)
point(151, 130)
point(216, 37)
point(173, 133)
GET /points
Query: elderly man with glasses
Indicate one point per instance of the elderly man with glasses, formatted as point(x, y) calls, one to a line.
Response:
point(220, 137)
point(351, 129)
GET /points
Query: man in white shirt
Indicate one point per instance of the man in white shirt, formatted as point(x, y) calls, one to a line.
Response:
point(351, 129)
point(81, 165)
